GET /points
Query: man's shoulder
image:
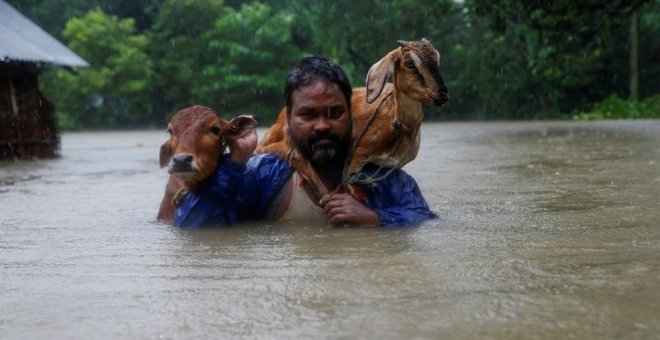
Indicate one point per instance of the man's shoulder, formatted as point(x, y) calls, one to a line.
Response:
point(268, 164)
point(266, 159)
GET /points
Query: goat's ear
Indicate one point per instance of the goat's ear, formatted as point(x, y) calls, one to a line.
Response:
point(239, 126)
point(377, 76)
point(165, 154)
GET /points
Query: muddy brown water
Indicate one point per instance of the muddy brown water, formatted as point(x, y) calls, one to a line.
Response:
point(548, 230)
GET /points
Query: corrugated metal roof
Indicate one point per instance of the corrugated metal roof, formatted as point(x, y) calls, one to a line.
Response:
point(23, 40)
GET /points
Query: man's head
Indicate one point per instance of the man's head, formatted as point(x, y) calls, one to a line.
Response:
point(318, 101)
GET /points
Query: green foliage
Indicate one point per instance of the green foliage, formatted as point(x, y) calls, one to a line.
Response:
point(180, 51)
point(567, 46)
point(53, 15)
point(613, 107)
point(114, 90)
point(508, 59)
point(250, 53)
point(486, 74)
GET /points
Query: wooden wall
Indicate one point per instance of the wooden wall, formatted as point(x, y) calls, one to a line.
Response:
point(27, 120)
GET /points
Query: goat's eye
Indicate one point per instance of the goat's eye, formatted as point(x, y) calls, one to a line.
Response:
point(215, 130)
point(409, 64)
point(170, 132)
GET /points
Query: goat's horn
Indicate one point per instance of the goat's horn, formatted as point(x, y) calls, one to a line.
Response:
point(403, 43)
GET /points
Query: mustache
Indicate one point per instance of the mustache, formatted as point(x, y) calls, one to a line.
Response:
point(317, 136)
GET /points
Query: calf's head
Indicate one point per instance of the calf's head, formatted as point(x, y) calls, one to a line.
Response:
point(197, 141)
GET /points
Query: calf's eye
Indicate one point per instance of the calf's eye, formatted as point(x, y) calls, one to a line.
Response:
point(215, 130)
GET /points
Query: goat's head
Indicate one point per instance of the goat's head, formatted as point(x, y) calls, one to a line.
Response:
point(415, 70)
point(198, 140)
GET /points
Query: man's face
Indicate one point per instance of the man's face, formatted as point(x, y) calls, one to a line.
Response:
point(320, 122)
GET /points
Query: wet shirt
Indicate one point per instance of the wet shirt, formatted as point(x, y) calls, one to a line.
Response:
point(238, 193)
point(300, 207)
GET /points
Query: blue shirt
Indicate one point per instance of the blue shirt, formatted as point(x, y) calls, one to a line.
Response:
point(237, 193)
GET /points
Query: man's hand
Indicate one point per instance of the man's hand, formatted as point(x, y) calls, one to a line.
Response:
point(343, 208)
point(241, 147)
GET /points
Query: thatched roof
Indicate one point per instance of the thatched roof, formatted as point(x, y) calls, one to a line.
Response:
point(21, 40)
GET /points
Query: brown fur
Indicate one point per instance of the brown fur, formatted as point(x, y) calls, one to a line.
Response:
point(200, 133)
point(399, 117)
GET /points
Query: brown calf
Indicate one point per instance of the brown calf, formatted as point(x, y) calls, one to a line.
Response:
point(193, 152)
point(385, 132)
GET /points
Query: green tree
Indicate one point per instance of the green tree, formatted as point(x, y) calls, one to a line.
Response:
point(249, 52)
point(114, 90)
point(179, 51)
point(508, 59)
point(570, 47)
point(52, 15)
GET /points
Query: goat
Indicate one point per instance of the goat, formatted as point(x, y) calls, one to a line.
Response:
point(194, 150)
point(385, 133)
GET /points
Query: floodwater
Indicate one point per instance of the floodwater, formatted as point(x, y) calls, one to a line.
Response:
point(548, 230)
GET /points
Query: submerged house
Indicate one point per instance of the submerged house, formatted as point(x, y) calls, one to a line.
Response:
point(27, 119)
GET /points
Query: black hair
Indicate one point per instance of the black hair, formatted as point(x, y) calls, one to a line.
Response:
point(311, 69)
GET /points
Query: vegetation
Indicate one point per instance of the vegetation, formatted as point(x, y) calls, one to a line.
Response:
point(614, 107)
point(508, 59)
point(119, 80)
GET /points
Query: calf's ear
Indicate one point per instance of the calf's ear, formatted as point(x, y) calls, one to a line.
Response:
point(165, 154)
point(239, 126)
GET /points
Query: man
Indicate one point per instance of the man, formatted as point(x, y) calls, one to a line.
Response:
point(255, 187)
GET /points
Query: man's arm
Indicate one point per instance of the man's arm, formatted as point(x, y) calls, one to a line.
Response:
point(398, 201)
point(236, 193)
point(394, 201)
point(216, 201)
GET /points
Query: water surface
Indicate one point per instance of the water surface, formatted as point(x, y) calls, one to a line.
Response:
point(548, 230)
